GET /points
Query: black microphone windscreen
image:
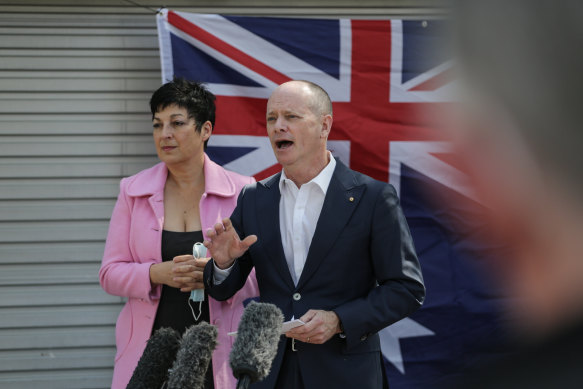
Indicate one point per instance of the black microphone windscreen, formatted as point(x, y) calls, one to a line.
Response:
point(152, 368)
point(257, 339)
point(193, 358)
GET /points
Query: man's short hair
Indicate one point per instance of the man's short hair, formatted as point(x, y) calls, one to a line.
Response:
point(322, 104)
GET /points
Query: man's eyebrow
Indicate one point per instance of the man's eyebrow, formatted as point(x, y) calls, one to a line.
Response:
point(290, 111)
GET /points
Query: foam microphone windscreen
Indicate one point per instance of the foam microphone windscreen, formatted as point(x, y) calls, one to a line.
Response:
point(158, 356)
point(193, 358)
point(256, 344)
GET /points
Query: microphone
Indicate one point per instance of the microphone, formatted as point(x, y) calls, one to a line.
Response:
point(256, 344)
point(193, 357)
point(152, 368)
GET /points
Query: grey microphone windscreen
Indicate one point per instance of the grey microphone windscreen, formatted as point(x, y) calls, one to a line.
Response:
point(193, 358)
point(257, 339)
point(152, 368)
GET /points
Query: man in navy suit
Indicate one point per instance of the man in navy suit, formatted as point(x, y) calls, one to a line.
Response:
point(330, 246)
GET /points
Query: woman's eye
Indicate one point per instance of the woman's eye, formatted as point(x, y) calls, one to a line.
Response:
point(156, 126)
point(178, 124)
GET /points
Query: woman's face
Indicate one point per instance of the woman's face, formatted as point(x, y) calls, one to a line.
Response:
point(175, 135)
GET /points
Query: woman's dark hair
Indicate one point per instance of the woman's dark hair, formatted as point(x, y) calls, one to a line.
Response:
point(190, 95)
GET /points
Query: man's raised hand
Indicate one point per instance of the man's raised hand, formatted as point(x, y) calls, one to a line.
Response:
point(224, 245)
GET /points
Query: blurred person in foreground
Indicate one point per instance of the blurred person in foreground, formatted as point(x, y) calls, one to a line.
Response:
point(160, 213)
point(330, 246)
point(521, 135)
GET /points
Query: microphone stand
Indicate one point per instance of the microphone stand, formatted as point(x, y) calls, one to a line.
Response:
point(244, 382)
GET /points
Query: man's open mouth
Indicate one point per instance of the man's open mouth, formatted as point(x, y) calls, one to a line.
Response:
point(283, 144)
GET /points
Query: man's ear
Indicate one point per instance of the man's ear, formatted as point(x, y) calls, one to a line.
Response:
point(326, 126)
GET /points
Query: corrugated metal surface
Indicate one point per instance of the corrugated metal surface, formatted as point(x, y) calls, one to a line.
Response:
point(73, 120)
point(304, 8)
point(75, 79)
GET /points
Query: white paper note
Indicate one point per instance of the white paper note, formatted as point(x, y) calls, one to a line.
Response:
point(285, 327)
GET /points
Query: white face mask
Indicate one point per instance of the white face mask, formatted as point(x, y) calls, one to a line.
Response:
point(197, 295)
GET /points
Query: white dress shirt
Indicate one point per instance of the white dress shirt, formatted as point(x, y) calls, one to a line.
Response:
point(299, 211)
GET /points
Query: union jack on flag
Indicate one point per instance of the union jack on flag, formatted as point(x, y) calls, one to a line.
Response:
point(385, 77)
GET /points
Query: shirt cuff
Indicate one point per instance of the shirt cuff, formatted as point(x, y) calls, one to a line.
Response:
point(219, 275)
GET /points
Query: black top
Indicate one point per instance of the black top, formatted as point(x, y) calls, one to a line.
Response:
point(174, 310)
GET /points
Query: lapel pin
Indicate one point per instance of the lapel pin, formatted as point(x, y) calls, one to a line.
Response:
point(351, 199)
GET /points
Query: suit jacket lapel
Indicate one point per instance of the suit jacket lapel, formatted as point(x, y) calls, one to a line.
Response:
point(342, 198)
point(270, 234)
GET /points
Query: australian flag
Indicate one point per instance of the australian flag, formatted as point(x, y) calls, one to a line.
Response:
point(385, 78)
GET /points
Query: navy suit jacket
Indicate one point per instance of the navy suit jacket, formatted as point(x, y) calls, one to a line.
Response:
point(361, 264)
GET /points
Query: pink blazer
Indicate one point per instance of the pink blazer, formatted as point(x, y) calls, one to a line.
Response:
point(134, 244)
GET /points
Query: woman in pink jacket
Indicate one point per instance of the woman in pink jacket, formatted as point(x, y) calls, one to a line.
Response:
point(160, 214)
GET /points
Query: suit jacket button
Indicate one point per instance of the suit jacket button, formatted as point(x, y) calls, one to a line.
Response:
point(363, 338)
point(297, 296)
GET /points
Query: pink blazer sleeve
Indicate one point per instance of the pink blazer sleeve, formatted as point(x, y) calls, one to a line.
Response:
point(121, 273)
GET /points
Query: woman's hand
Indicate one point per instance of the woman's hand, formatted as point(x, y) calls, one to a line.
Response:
point(188, 271)
point(183, 272)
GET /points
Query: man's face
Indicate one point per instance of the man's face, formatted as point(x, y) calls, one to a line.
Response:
point(297, 133)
